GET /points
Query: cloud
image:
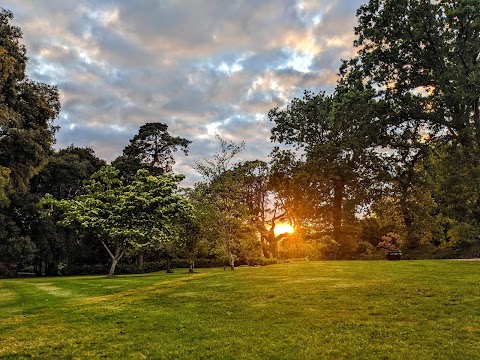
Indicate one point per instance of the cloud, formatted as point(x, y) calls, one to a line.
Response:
point(202, 67)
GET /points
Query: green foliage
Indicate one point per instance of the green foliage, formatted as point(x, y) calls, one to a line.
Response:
point(224, 219)
point(27, 110)
point(340, 171)
point(4, 183)
point(423, 56)
point(65, 172)
point(150, 149)
point(128, 217)
point(431, 46)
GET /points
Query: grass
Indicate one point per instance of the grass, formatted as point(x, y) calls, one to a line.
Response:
point(308, 310)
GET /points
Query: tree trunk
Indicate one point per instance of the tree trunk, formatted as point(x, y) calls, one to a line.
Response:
point(408, 218)
point(37, 268)
point(51, 268)
point(140, 260)
point(231, 260)
point(264, 243)
point(191, 269)
point(115, 258)
point(476, 116)
point(169, 266)
point(273, 241)
point(112, 267)
point(338, 211)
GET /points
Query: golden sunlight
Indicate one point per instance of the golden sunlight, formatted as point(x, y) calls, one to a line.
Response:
point(283, 228)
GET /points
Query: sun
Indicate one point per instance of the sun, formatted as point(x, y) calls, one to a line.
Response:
point(283, 228)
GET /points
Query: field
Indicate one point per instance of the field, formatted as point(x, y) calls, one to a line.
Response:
point(306, 310)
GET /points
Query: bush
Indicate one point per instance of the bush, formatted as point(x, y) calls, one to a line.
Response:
point(7, 270)
point(208, 263)
point(98, 269)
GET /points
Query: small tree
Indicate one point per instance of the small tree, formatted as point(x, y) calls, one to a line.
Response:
point(126, 218)
point(221, 198)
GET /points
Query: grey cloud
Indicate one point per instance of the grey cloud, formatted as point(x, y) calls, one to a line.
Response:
point(189, 64)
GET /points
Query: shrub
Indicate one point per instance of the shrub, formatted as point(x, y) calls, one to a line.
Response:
point(148, 267)
point(98, 269)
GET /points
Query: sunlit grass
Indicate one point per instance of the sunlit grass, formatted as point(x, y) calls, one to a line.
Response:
point(309, 310)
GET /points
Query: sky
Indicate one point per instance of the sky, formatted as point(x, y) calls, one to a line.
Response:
point(203, 67)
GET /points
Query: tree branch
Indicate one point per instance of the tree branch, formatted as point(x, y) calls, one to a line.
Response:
point(106, 247)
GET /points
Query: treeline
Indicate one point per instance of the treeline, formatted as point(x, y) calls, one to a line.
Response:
point(390, 159)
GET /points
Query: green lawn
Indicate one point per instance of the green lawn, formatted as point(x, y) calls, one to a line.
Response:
point(307, 310)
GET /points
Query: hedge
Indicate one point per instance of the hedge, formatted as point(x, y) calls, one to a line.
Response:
point(148, 267)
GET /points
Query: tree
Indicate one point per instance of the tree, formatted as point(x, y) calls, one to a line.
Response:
point(339, 172)
point(428, 53)
point(221, 197)
point(190, 242)
point(423, 57)
point(16, 247)
point(63, 178)
point(126, 217)
point(66, 170)
point(27, 111)
point(263, 203)
point(151, 149)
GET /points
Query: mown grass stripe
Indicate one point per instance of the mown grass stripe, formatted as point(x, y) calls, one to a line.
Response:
point(417, 309)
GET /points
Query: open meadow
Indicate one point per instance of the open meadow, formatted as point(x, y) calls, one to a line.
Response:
point(304, 310)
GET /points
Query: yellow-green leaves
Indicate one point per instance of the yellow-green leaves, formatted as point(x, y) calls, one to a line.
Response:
point(129, 216)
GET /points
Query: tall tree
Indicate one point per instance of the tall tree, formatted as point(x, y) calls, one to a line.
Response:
point(221, 196)
point(426, 52)
point(151, 149)
point(62, 177)
point(337, 134)
point(27, 111)
point(423, 56)
point(263, 203)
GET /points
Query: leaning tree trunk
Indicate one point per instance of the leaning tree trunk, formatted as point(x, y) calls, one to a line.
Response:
point(119, 252)
point(118, 255)
point(112, 267)
point(273, 242)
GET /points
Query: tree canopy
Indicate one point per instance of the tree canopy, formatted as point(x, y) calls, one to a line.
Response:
point(125, 217)
point(151, 149)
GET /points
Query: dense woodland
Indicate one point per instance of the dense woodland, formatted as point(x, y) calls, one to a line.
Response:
point(390, 159)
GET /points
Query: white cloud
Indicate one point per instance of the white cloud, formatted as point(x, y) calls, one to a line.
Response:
point(202, 67)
